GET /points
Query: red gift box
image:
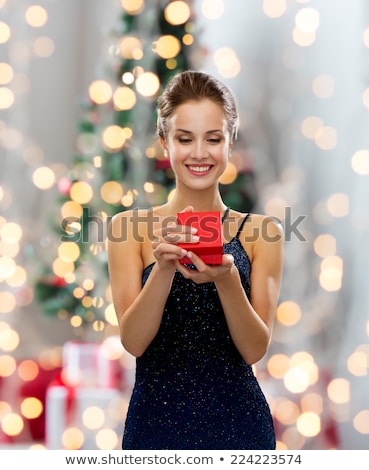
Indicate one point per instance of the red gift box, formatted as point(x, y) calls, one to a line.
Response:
point(209, 228)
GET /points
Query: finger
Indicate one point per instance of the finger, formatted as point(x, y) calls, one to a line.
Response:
point(178, 228)
point(182, 234)
point(163, 233)
point(182, 269)
point(167, 248)
point(187, 271)
point(227, 260)
point(188, 209)
point(197, 261)
point(170, 257)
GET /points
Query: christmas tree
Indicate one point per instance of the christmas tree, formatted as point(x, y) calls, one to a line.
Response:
point(119, 164)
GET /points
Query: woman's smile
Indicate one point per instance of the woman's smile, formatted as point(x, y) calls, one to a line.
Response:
point(199, 169)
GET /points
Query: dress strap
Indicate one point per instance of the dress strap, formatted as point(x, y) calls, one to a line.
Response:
point(225, 215)
point(241, 226)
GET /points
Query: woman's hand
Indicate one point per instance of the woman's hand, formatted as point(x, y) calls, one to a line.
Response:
point(166, 239)
point(204, 272)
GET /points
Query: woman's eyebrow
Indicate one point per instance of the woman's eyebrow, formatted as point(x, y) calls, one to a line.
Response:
point(212, 131)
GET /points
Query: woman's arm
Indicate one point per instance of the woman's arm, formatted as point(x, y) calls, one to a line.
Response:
point(250, 323)
point(139, 310)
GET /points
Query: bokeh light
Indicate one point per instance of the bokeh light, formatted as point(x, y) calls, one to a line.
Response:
point(308, 424)
point(5, 32)
point(167, 46)
point(93, 417)
point(113, 138)
point(106, 439)
point(100, 91)
point(6, 97)
point(288, 313)
point(6, 73)
point(326, 138)
point(325, 245)
point(274, 8)
point(229, 175)
point(81, 192)
point(323, 86)
point(227, 62)
point(357, 364)
point(124, 98)
point(147, 84)
point(111, 192)
point(36, 16)
point(307, 20)
point(44, 47)
point(338, 205)
point(360, 162)
point(361, 422)
point(278, 365)
point(286, 412)
point(133, 7)
point(28, 369)
point(12, 424)
point(177, 12)
point(31, 407)
point(212, 9)
point(43, 177)
point(72, 438)
point(331, 272)
point(131, 48)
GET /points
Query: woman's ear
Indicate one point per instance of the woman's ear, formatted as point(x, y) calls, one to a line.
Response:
point(165, 148)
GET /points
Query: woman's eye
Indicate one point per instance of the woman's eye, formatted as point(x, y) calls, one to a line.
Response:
point(184, 141)
point(214, 141)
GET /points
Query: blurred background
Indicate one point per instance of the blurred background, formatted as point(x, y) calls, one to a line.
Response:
point(78, 83)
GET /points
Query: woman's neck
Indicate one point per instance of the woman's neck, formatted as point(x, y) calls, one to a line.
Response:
point(200, 201)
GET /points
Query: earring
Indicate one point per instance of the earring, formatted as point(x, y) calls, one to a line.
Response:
point(165, 153)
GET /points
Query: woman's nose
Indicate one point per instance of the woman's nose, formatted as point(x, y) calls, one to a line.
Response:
point(200, 150)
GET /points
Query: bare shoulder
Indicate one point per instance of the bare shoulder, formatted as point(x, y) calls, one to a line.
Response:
point(259, 225)
point(268, 243)
point(267, 228)
point(260, 234)
point(131, 215)
point(129, 225)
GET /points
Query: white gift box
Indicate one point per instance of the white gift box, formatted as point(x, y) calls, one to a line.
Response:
point(85, 418)
point(91, 365)
point(87, 408)
point(86, 365)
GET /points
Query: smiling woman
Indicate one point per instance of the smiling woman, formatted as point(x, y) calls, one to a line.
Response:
point(196, 329)
point(197, 143)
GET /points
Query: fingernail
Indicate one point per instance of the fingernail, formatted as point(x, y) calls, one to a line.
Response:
point(193, 229)
point(189, 254)
point(195, 238)
point(183, 252)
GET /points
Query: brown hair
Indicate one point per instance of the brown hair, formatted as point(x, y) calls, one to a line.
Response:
point(195, 86)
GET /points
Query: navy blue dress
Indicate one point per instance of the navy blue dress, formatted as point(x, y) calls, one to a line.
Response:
point(193, 389)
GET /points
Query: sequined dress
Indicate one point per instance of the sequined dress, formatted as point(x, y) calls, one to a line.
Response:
point(193, 390)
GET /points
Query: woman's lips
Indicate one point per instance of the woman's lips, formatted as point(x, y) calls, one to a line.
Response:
point(199, 170)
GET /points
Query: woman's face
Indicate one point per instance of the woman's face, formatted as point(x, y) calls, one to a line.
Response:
point(198, 143)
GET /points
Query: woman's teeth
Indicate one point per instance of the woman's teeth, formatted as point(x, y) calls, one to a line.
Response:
point(199, 169)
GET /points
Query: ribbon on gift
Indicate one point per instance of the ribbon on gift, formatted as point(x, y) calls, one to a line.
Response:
point(71, 392)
